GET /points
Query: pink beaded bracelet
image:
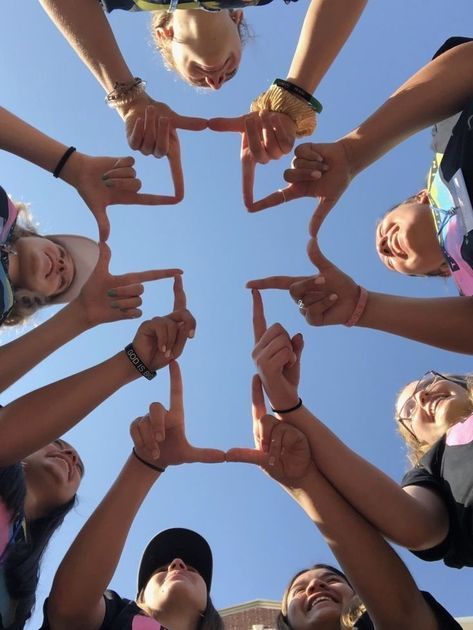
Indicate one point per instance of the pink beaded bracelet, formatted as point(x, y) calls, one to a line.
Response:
point(359, 308)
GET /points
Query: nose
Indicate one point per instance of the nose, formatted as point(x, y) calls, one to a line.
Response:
point(177, 564)
point(72, 453)
point(316, 584)
point(215, 80)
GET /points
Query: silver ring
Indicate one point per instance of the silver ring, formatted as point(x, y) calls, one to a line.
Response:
point(283, 193)
point(300, 304)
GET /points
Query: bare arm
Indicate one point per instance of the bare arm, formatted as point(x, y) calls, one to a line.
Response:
point(102, 538)
point(323, 34)
point(375, 571)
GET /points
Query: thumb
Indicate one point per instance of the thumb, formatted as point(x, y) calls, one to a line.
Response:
point(298, 345)
point(324, 207)
point(317, 258)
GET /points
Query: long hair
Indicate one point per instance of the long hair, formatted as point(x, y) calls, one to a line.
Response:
point(26, 302)
point(353, 611)
point(416, 449)
point(23, 559)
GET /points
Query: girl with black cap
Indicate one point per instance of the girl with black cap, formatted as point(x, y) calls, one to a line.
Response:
point(176, 568)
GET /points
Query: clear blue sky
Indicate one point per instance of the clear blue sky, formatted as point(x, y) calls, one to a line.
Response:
point(259, 536)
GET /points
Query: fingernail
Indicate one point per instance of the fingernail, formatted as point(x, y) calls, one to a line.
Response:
point(115, 305)
point(271, 461)
point(316, 174)
point(108, 183)
point(136, 315)
point(167, 354)
point(112, 293)
point(163, 349)
point(191, 334)
point(104, 178)
point(319, 280)
point(332, 297)
point(159, 437)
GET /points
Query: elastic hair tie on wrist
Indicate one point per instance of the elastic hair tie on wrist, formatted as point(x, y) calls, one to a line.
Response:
point(138, 364)
point(298, 406)
point(159, 469)
point(359, 308)
point(292, 88)
point(60, 165)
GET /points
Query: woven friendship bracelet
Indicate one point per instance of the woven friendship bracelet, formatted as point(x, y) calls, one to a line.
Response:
point(135, 360)
point(359, 308)
point(60, 165)
point(298, 91)
point(298, 406)
point(143, 461)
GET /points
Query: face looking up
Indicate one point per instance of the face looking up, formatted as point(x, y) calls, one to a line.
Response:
point(205, 47)
point(177, 586)
point(406, 239)
point(428, 407)
point(53, 474)
point(316, 599)
point(41, 265)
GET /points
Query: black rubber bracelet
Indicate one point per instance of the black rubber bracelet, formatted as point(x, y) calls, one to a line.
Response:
point(143, 461)
point(62, 161)
point(298, 406)
point(298, 91)
point(141, 367)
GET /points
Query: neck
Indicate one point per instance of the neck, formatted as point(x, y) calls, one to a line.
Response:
point(176, 619)
point(13, 268)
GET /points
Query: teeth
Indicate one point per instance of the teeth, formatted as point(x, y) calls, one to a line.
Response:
point(320, 599)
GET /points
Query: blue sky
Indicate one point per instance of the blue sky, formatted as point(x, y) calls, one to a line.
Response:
point(349, 376)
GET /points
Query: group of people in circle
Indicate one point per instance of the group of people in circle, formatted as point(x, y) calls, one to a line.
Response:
point(428, 234)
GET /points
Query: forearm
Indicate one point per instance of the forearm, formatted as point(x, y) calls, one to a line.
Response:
point(375, 571)
point(86, 28)
point(437, 91)
point(322, 36)
point(441, 322)
point(378, 498)
point(90, 563)
point(21, 355)
point(41, 416)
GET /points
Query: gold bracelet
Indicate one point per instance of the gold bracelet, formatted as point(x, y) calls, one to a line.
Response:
point(276, 99)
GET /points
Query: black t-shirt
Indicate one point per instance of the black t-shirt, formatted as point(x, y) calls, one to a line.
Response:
point(447, 468)
point(120, 614)
point(163, 5)
point(444, 619)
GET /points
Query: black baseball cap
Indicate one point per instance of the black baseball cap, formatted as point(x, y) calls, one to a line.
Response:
point(177, 542)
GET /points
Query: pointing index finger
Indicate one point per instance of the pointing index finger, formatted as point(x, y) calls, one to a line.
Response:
point(259, 321)
point(258, 406)
point(176, 389)
point(228, 124)
point(180, 301)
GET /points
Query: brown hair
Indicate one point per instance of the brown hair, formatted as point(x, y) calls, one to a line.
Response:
point(415, 448)
point(163, 19)
point(351, 613)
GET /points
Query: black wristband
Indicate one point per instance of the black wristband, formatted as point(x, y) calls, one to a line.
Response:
point(62, 161)
point(138, 363)
point(298, 406)
point(143, 461)
point(292, 88)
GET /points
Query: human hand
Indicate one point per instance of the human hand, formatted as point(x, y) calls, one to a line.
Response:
point(151, 128)
point(160, 340)
point(265, 136)
point(277, 357)
point(327, 298)
point(160, 438)
point(280, 449)
point(108, 298)
point(106, 181)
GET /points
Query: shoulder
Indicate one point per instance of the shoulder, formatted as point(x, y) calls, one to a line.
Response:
point(452, 42)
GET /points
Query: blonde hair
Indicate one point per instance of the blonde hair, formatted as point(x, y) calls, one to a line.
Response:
point(163, 19)
point(416, 448)
point(26, 302)
point(349, 615)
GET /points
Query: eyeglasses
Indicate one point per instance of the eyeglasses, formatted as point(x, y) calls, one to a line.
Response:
point(425, 384)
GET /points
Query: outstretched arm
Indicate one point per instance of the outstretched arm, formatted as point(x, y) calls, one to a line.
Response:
point(41, 416)
point(327, 26)
point(159, 438)
point(415, 518)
